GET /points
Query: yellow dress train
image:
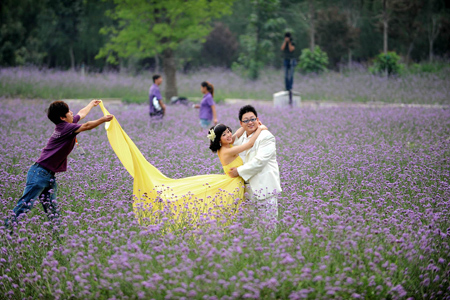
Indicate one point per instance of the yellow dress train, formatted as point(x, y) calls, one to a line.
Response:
point(180, 202)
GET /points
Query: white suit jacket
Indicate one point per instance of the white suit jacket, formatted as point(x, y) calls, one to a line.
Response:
point(260, 167)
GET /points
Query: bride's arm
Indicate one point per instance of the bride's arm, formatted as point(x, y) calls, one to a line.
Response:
point(238, 149)
point(238, 133)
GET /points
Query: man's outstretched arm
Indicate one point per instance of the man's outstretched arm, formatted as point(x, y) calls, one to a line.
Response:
point(84, 111)
point(92, 124)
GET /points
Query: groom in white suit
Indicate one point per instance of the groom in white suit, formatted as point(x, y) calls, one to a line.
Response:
point(260, 170)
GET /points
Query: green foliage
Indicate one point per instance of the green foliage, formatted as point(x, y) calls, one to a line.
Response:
point(389, 62)
point(56, 33)
point(264, 29)
point(220, 48)
point(145, 28)
point(435, 67)
point(59, 33)
point(335, 34)
point(19, 44)
point(187, 51)
point(313, 61)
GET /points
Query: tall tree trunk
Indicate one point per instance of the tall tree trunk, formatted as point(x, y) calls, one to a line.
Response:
point(349, 57)
point(121, 65)
point(385, 27)
point(408, 54)
point(312, 29)
point(254, 71)
point(157, 64)
point(385, 36)
point(72, 58)
point(431, 42)
point(170, 74)
point(433, 33)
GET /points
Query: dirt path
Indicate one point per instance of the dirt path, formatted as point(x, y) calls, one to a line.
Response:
point(314, 104)
point(326, 104)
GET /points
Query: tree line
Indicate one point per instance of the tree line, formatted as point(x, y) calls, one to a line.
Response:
point(173, 35)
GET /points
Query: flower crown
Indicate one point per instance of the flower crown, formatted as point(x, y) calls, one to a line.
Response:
point(212, 134)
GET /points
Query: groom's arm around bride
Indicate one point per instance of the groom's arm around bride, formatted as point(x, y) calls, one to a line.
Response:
point(260, 167)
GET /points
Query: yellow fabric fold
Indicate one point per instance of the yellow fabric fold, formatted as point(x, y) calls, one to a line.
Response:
point(185, 201)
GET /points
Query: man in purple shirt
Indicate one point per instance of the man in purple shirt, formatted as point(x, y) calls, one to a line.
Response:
point(41, 180)
point(157, 107)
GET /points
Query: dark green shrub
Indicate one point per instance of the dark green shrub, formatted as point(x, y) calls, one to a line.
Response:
point(313, 61)
point(426, 67)
point(387, 63)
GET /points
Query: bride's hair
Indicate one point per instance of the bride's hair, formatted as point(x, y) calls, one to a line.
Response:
point(218, 130)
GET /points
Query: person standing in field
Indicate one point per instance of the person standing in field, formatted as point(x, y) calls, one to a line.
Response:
point(289, 63)
point(260, 169)
point(157, 106)
point(41, 181)
point(207, 106)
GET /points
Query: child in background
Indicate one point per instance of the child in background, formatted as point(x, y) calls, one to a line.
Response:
point(41, 181)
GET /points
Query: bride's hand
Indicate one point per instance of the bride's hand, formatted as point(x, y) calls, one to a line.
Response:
point(263, 127)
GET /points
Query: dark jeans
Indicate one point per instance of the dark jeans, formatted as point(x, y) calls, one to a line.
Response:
point(289, 67)
point(41, 184)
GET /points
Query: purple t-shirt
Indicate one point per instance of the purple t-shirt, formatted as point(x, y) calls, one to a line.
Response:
point(205, 107)
point(152, 93)
point(59, 146)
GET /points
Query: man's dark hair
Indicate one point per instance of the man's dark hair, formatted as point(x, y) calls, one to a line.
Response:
point(56, 110)
point(218, 130)
point(246, 109)
point(156, 77)
point(288, 34)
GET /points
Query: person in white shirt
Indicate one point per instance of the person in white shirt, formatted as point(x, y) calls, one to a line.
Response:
point(260, 170)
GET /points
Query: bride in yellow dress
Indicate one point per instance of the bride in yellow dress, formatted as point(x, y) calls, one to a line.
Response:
point(185, 202)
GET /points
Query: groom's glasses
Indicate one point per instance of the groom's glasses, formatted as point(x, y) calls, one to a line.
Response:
point(249, 120)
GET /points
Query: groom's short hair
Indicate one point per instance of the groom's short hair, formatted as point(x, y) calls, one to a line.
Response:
point(246, 109)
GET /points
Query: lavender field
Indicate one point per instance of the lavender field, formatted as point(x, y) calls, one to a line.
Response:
point(355, 85)
point(365, 211)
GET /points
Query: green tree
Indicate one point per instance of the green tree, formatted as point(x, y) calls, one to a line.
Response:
point(387, 10)
point(406, 26)
point(432, 17)
point(146, 28)
point(90, 39)
point(264, 29)
point(335, 34)
point(220, 47)
point(307, 11)
point(18, 23)
point(59, 29)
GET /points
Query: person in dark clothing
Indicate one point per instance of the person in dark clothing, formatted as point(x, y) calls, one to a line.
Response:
point(289, 63)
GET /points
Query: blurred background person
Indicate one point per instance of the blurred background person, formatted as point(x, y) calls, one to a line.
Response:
point(207, 106)
point(289, 62)
point(157, 106)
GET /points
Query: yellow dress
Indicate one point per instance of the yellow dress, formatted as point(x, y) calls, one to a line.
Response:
point(180, 202)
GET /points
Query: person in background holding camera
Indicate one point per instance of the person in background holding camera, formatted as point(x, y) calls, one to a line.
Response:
point(157, 106)
point(289, 62)
point(207, 106)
